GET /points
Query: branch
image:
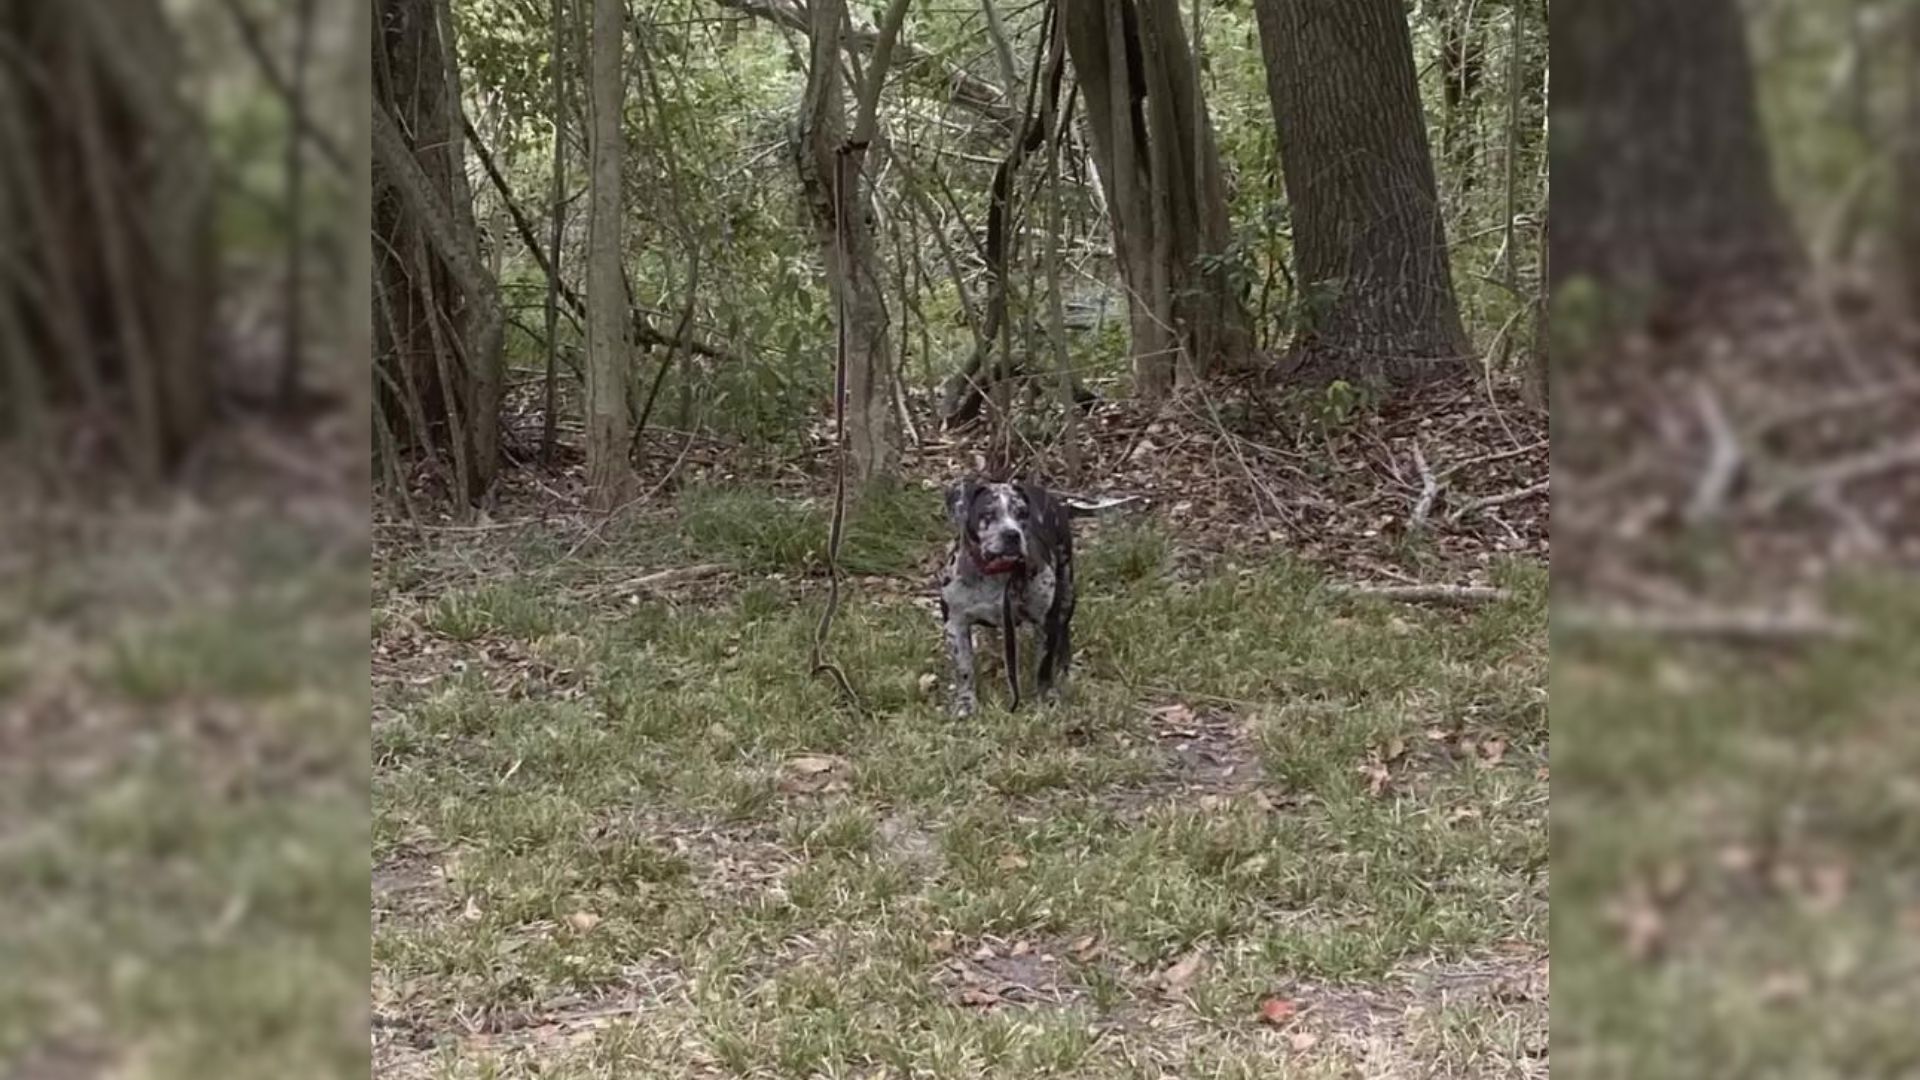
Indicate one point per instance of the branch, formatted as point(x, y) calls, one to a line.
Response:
point(1438, 594)
point(256, 46)
point(644, 330)
point(965, 89)
point(1429, 488)
point(1497, 500)
point(1733, 625)
point(1724, 460)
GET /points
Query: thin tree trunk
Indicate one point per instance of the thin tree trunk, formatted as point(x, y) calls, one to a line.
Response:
point(830, 165)
point(557, 75)
point(1155, 155)
point(1370, 249)
point(290, 359)
point(607, 415)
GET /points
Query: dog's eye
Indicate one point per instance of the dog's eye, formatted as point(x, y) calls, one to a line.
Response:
point(1020, 512)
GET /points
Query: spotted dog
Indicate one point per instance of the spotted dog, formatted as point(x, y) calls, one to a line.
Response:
point(1011, 564)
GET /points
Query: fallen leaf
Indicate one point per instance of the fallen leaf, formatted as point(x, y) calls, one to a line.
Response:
point(1303, 1041)
point(583, 921)
point(1085, 948)
point(1175, 715)
point(1012, 860)
point(1492, 751)
point(1277, 1010)
point(1021, 948)
point(1396, 749)
point(928, 682)
point(471, 912)
point(1377, 778)
point(979, 998)
point(943, 943)
point(1181, 974)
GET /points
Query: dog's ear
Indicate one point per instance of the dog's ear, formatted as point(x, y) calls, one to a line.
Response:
point(959, 497)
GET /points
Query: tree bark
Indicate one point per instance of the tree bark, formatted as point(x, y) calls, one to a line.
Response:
point(110, 270)
point(1159, 165)
point(607, 345)
point(1370, 248)
point(420, 192)
point(831, 175)
point(1660, 173)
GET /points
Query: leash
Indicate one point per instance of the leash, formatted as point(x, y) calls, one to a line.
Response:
point(837, 526)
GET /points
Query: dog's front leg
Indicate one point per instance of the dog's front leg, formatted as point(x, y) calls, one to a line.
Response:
point(1009, 631)
point(960, 652)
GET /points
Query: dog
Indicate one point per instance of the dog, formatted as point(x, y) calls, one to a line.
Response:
point(1011, 564)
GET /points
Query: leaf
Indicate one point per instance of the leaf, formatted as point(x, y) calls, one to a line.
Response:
point(928, 682)
point(471, 912)
point(583, 921)
point(1303, 1041)
point(1012, 860)
point(979, 998)
point(1277, 1010)
point(1181, 975)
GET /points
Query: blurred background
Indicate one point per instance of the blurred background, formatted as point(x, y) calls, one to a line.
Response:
point(1734, 265)
point(183, 564)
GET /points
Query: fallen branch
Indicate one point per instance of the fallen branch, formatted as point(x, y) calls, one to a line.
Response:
point(1490, 501)
point(1462, 595)
point(1735, 625)
point(673, 575)
point(1845, 471)
point(1724, 459)
point(1082, 506)
point(1429, 488)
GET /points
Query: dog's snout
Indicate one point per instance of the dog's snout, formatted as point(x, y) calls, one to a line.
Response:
point(1010, 539)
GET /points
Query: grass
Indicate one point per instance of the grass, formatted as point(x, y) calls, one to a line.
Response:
point(182, 821)
point(631, 836)
point(1738, 847)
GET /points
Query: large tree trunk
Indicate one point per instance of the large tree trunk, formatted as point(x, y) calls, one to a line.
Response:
point(441, 325)
point(1160, 171)
point(831, 176)
point(107, 222)
point(1369, 246)
point(1660, 175)
point(607, 348)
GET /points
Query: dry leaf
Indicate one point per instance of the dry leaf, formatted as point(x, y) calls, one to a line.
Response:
point(979, 998)
point(943, 943)
point(1396, 749)
point(1181, 974)
point(928, 682)
point(1492, 751)
point(1277, 1010)
point(583, 921)
point(1012, 860)
point(1021, 948)
point(471, 912)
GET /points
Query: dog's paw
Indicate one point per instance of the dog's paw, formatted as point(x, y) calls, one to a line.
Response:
point(963, 707)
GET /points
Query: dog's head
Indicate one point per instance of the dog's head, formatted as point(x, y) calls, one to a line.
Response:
point(994, 523)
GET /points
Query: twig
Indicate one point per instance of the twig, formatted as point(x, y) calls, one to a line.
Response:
point(1844, 471)
point(1497, 500)
point(1429, 488)
point(1736, 625)
point(1487, 459)
point(1438, 594)
point(1724, 460)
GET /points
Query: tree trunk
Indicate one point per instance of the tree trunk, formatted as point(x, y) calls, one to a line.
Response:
point(108, 227)
point(1370, 249)
point(439, 349)
point(1660, 174)
point(607, 347)
point(1160, 169)
point(831, 176)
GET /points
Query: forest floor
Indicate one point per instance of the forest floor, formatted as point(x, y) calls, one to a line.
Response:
point(1736, 818)
point(183, 820)
point(619, 830)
